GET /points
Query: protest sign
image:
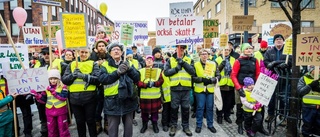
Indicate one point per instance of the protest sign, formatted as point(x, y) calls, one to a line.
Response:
point(263, 89)
point(7, 54)
point(210, 28)
point(223, 40)
point(152, 42)
point(179, 31)
point(308, 49)
point(242, 22)
point(269, 29)
point(255, 42)
point(287, 49)
point(74, 30)
point(32, 35)
point(208, 69)
point(151, 33)
point(147, 50)
point(55, 26)
point(58, 3)
point(181, 9)
point(126, 34)
point(23, 81)
point(140, 32)
point(151, 73)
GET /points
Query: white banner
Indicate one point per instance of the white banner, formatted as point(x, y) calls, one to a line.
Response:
point(147, 50)
point(7, 54)
point(23, 81)
point(140, 32)
point(181, 9)
point(263, 89)
point(267, 28)
point(179, 31)
point(32, 36)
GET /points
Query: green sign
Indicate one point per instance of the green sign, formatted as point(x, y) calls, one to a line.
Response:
point(126, 34)
point(211, 28)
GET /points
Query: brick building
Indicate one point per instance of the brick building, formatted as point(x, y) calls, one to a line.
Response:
point(38, 13)
point(264, 11)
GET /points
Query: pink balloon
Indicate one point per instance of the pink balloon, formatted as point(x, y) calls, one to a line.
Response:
point(59, 39)
point(20, 16)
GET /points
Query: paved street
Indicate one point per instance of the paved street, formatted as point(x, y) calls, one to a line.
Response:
point(223, 130)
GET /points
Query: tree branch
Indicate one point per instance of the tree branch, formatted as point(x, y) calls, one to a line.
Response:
point(264, 2)
point(289, 5)
point(306, 5)
point(285, 11)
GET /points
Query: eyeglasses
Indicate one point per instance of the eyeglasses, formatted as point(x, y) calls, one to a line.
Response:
point(115, 49)
point(204, 54)
point(46, 53)
point(227, 49)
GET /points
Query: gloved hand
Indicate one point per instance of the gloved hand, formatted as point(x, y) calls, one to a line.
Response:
point(258, 105)
point(180, 61)
point(150, 84)
point(76, 70)
point(314, 85)
point(122, 69)
point(273, 64)
point(214, 80)
point(178, 67)
point(241, 92)
point(206, 81)
point(283, 65)
point(80, 75)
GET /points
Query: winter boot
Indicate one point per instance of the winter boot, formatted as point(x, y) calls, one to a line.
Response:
point(240, 129)
point(106, 127)
point(98, 127)
point(145, 127)
point(155, 127)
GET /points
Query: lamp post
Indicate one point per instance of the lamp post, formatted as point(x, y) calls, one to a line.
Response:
point(245, 6)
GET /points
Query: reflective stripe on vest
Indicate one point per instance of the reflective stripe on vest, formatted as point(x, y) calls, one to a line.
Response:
point(150, 93)
point(52, 101)
point(182, 76)
point(312, 98)
point(199, 87)
point(79, 85)
point(225, 80)
point(251, 101)
point(166, 88)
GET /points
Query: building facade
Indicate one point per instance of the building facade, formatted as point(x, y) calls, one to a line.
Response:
point(38, 13)
point(264, 11)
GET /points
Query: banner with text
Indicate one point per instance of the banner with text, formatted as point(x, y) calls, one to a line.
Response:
point(308, 49)
point(7, 54)
point(270, 29)
point(32, 35)
point(181, 9)
point(179, 31)
point(23, 81)
point(126, 34)
point(140, 32)
point(263, 89)
point(242, 22)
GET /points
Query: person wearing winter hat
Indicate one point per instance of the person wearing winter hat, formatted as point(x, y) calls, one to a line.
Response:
point(101, 35)
point(56, 105)
point(158, 59)
point(129, 56)
point(137, 56)
point(232, 52)
point(101, 52)
point(263, 48)
point(252, 109)
point(309, 89)
point(244, 66)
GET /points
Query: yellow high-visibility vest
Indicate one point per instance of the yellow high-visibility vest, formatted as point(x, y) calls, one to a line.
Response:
point(166, 88)
point(182, 77)
point(79, 85)
point(251, 101)
point(313, 97)
point(52, 101)
point(135, 63)
point(258, 55)
point(149, 93)
point(225, 80)
point(199, 87)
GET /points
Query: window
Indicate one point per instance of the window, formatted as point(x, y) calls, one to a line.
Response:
point(202, 4)
point(252, 3)
point(305, 2)
point(80, 6)
point(44, 13)
point(26, 4)
point(209, 14)
point(13, 4)
point(53, 8)
point(99, 20)
point(198, 10)
point(277, 5)
point(254, 23)
point(76, 3)
point(276, 21)
point(208, 1)
point(218, 7)
point(1, 7)
point(227, 25)
point(307, 24)
point(71, 2)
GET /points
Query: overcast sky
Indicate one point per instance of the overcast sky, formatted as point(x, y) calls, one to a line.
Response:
point(138, 10)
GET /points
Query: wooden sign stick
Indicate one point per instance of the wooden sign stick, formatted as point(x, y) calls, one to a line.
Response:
point(49, 31)
point(316, 72)
point(77, 58)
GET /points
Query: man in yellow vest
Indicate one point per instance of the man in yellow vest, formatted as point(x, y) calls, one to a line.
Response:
point(309, 90)
point(263, 48)
point(179, 69)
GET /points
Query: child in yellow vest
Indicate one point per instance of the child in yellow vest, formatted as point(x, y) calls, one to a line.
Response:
point(252, 109)
point(56, 105)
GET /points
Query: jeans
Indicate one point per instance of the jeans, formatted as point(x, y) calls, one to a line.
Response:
point(114, 122)
point(204, 100)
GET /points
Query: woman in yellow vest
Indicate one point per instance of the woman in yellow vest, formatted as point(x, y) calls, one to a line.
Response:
point(252, 109)
point(204, 88)
point(309, 90)
point(82, 80)
point(56, 105)
point(150, 102)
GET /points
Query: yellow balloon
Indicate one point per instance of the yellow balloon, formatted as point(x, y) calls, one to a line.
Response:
point(103, 8)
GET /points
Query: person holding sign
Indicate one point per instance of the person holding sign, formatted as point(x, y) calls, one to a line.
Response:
point(180, 71)
point(56, 105)
point(150, 94)
point(117, 77)
point(252, 109)
point(207, 74)
point(82, 80)
point(309, 90)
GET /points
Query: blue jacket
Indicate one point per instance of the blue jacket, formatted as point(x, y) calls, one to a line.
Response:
point(7, 116)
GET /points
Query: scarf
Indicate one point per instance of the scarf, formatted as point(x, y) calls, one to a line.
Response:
point(227, 68)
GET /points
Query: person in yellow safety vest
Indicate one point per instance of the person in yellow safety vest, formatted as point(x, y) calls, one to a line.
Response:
point(6, 114)
point(309, 90)
point(252, 109)
point(56, 105)
point(82, 79)
point(117, 77)
point(260, 53)
point(150, 94)
point(226, 86)
point(166, 104)
point(204, 88)
point(180, 71)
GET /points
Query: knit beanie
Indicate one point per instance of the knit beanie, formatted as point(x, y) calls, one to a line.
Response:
point(114, 44)
point(244, 46)
point(129, 52)
point(149, 56)
point(277, 36)
point(263, 44)
point(247, 81)
point(155, 50)
point(54, 73)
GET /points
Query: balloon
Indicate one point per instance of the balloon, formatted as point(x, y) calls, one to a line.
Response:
point(20, 16)
point(59, 39)
point(103, 8)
